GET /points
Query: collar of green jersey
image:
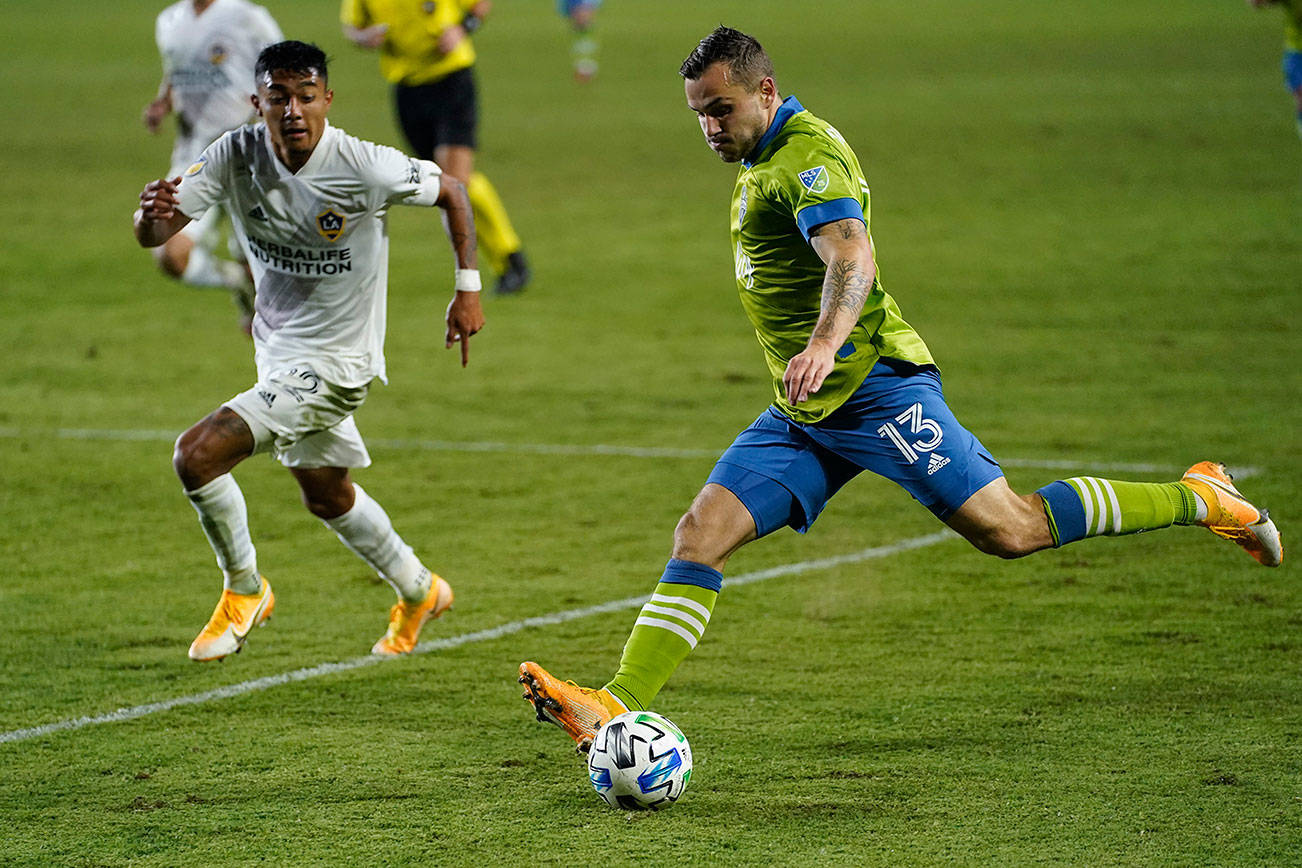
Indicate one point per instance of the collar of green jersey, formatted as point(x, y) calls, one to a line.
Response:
point(789, 107)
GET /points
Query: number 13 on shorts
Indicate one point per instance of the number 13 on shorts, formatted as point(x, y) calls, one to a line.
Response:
point(916, 424)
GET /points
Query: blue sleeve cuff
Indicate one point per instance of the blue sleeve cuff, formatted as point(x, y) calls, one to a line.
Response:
point(814, 216)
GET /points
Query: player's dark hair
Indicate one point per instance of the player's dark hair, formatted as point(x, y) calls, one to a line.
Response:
point(291, 56)
point(748, 64)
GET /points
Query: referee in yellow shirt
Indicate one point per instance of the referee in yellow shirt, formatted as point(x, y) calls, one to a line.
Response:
point(425, 51)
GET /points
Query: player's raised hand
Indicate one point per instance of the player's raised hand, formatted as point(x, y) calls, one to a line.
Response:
point(465, 317)
point(158, 199)
point(155, 112)
point(806, 372)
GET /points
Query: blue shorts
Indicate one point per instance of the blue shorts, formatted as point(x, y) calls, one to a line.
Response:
point(567, 7)
point(1293, 69)
point(897, 425)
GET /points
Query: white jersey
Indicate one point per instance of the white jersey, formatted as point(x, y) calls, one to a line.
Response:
point(316, 240)
point(208, 60)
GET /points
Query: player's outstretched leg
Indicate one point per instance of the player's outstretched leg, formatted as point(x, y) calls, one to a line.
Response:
point(580, 711)
point(1088, 506)
point(1230, 515)
point(231, 623)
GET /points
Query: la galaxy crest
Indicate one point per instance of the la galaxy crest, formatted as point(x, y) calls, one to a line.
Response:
point(330, 223)
point(815, 179)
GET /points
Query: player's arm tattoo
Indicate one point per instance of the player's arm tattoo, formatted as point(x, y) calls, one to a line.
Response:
point(848, 281)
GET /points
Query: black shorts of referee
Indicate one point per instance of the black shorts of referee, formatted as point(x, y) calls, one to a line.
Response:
point(443, 112)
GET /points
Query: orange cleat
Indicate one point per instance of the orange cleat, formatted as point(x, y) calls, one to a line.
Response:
point(234, 618)
point(580, 711)
point(1230, 516)
point(406, 619)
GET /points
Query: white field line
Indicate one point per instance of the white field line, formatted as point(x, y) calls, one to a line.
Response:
point(145, 435)
point(456, 641)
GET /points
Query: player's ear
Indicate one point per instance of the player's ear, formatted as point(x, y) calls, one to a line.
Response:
point(329, 97)
point(257, 106)
point(768, 89)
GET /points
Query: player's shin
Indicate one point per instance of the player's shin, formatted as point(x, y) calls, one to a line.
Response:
point(368, 533)
point(225, 521)
point(667, 629)
point(1088, 506)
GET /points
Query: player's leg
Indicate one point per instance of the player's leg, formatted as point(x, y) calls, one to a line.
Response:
point(319, 463)
point(742, 500)
point(583, 50)
point(203, 458)
point(1293, 81)
point(456, 136)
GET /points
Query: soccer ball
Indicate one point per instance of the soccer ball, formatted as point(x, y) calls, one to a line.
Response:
point(639, 761)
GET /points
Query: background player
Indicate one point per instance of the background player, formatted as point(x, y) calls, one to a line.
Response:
point(1292, 49)
point(582, 15)
point(426, 52)
point(855, 389)
point(311, 200)
point(208, 49)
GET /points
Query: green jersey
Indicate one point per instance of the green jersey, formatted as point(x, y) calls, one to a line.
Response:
point(801, 175)
point(1292, 24)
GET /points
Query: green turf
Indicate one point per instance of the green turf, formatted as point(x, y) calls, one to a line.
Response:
point(1090, 209)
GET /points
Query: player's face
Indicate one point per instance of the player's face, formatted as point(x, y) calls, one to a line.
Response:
point(294, 106)
point(732, 118)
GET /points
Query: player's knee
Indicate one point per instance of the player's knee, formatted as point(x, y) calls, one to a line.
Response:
point(192, 459)
point(326, 505)
point(170, 261)
point(694, 541)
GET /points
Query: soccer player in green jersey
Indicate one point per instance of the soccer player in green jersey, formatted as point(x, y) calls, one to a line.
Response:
point(855, 389)
point(1292, 49)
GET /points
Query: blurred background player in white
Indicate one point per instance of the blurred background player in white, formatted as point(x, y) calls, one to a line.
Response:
point(1292, 49)
point(208, 48)
point(583, 50)
point(427, 55)
point(311, 201)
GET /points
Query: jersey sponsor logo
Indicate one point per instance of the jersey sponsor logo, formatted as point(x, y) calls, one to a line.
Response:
point(815, 179)
point(196, 168)
point(306, 261)
point(744, 268)
point(330, 223)
point(258, 214)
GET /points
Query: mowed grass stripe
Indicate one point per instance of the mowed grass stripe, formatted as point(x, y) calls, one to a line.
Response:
point(489, 634)
point(147, 435)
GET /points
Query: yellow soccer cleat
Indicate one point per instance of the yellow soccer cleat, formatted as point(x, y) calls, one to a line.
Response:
point(406, 619)
point(580, 711)
point(1230, 516)
point(234, 618)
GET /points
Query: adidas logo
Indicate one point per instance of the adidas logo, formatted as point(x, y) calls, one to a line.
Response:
point(257, 214)
point(936, 462)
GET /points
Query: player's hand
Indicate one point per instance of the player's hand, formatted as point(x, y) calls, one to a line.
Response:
point(465, 317)
point(807, 370)
point(451, 38)
point(155, 112)
point(370, 37)
point(158, 199)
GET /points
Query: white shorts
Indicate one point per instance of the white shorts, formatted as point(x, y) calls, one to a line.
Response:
point(303, 420)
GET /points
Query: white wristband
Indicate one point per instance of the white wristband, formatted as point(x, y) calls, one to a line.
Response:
point(467, 280)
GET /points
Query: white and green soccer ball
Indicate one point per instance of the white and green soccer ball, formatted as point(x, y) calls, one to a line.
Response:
point(640, 761)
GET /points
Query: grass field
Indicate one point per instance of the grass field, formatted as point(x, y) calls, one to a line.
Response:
point(1090, 210)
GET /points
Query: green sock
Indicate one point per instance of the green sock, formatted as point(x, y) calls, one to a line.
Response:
point(1088, 506)
point(667, 629)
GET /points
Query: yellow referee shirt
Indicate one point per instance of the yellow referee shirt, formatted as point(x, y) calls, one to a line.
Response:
point(410, 53)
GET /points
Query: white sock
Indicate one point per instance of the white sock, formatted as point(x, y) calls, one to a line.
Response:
point(1201, 513)
point(204, 269)
point(369, 534)
point(225, 521)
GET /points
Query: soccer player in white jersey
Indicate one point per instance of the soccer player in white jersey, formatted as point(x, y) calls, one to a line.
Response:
point(208, 49)
point(311, 201)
